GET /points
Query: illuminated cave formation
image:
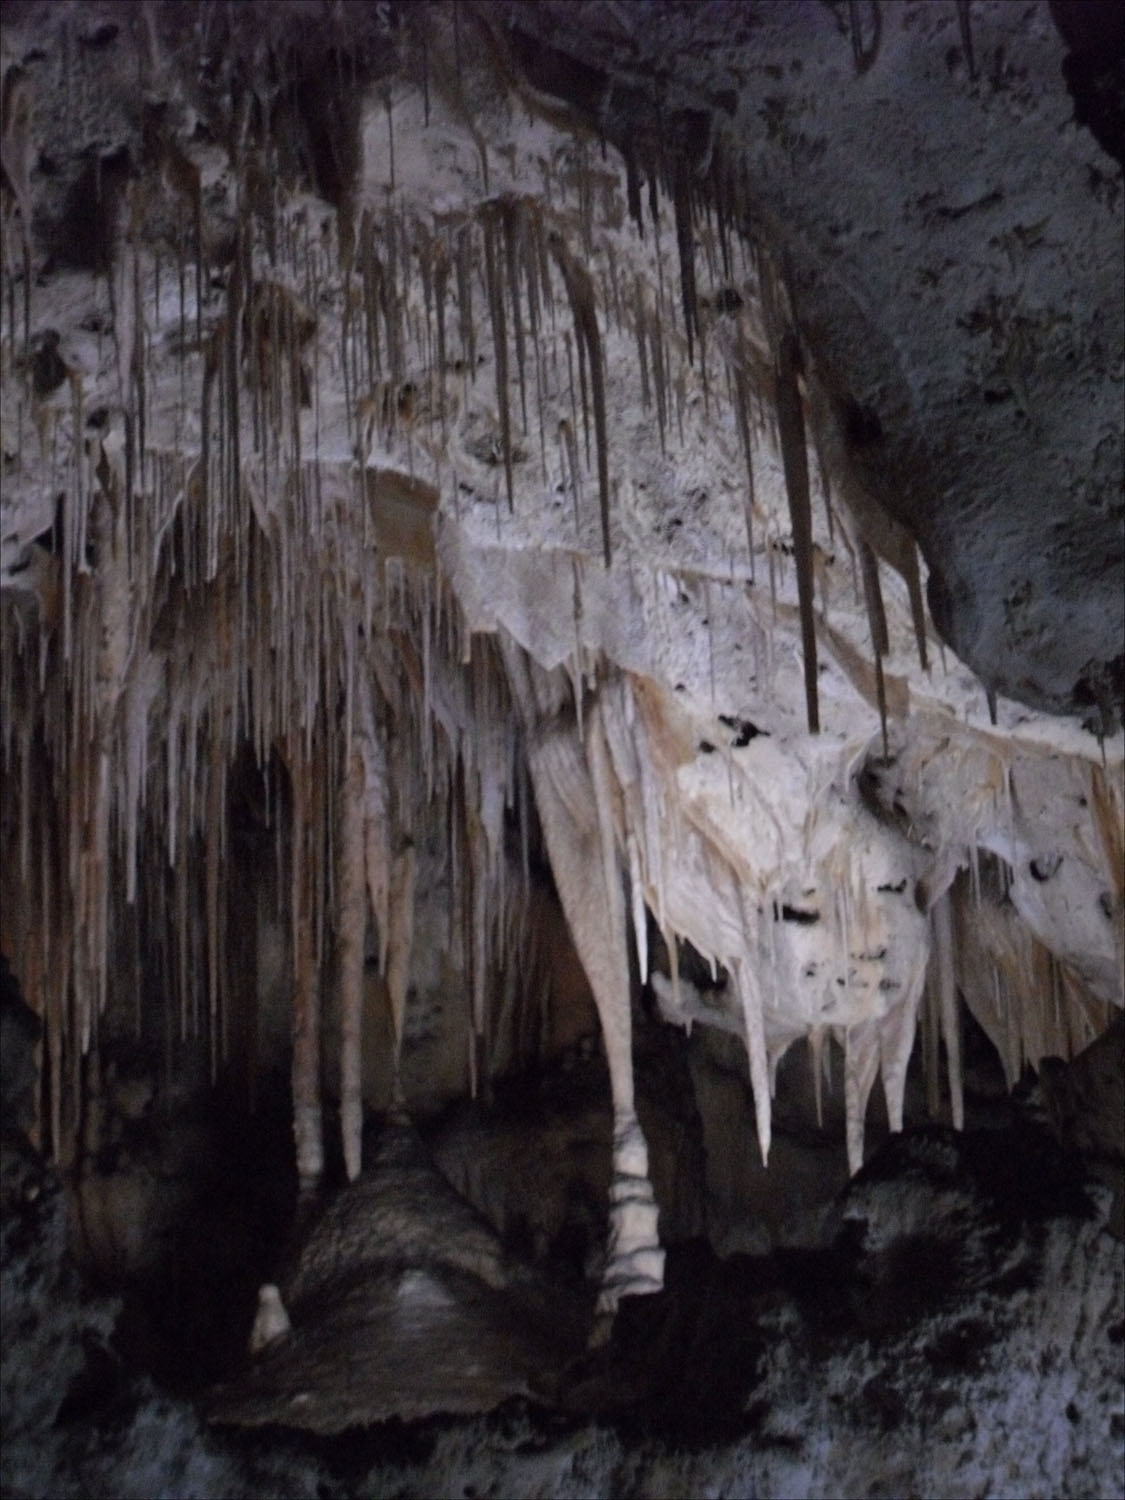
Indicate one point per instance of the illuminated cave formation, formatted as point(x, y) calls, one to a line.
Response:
point(434, 458)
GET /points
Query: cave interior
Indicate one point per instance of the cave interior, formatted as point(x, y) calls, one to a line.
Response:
point(563, 661)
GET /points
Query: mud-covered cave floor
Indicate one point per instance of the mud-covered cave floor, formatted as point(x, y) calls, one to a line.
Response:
point(960, 1331)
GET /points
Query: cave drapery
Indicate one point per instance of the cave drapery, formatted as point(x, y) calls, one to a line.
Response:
point(428, 456)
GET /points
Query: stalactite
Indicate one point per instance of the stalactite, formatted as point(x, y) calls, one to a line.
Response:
point(877, 623)
point(861, 1067)
point(16, 160)
point(751, 1002)
point(394, 302)
point(640, 916)
point(568, 345)
point(642, 353)
point(897, 1034)
point(633, 188)
point(917, 604)
point(465, 298)
point(215, 937)
point(441, 286)
point(931, 1035)
point(685, 242)
point(351, 926)
point(614, 284)
point(569, 444)
point(512, 222)
point(584, 394)
point(942, 918)
point(791, 428)
point(965, 23)
point(499, 349)
point(400, 944)
point(721, 196)
point(660, 377)
point(865, 56)
point(825, 484)
point(539, 408)
point(742, 415)
point(581, 295)
point(307, 1119)
point(816, 1062)
point(371, 274)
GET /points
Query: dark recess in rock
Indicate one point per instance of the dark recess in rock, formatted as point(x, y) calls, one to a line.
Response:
point(1094, 67)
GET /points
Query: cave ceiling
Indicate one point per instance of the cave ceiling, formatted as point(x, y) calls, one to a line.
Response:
point(678, 443)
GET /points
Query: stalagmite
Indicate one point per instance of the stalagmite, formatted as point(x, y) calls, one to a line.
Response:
point(351, 927)
point(271, 1322)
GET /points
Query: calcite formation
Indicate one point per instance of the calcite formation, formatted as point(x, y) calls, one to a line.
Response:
point(394, 466)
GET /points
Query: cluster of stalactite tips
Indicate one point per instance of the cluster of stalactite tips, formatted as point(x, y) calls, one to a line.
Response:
point(239, 681)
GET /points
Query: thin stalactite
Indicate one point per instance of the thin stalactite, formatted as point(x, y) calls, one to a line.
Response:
point(660, 378)
point(639, 322)
point(742, 413)
point(633, 188)
point(581, 294)
point(465, 299)
point(351, 926)
point(685, 243)
point(499, 347)
point(917, 602)
point(877, 621)
point(583, 392)
point(570, 450)
point(441, 287)
point(512, 222)
point(791, 430)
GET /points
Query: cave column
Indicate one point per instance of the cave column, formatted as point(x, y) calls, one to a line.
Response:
point(574, 795)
